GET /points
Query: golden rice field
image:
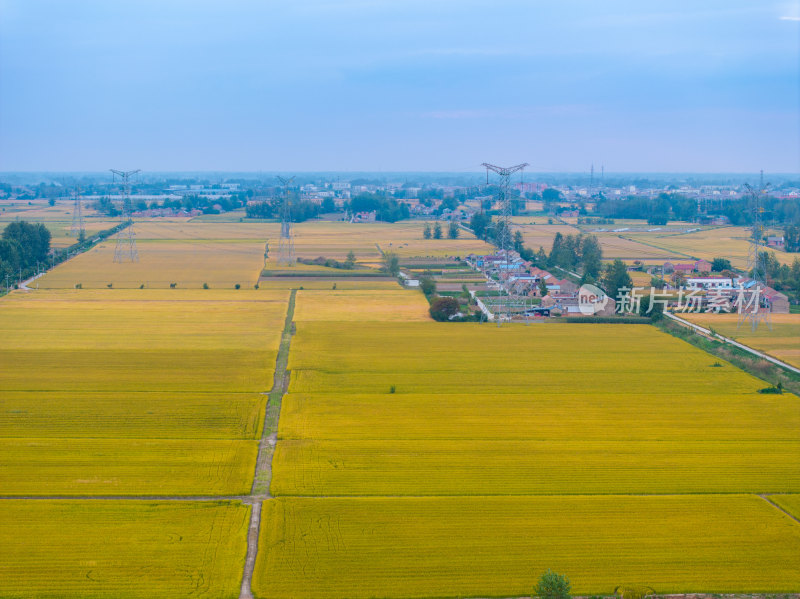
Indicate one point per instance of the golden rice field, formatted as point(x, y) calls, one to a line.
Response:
point(142, 340)
point(134, 392)
point(598, 417)
point(497, 546)
point(131, 415)
point(57, 219)
point(432, 460)
point(123, 549)
point(336, 239)
point(220, 264)
point(723, 242)
point(390, 467)
point(450, 429)
point(342, 283)
point(474, 358)
point(781, 341)
point(396, 305)
point(84, 467)
point(791, 503)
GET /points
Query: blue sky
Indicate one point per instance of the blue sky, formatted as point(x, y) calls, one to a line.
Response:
point(439, 85)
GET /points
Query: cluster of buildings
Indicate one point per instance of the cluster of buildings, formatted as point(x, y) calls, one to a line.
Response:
point(520, 278)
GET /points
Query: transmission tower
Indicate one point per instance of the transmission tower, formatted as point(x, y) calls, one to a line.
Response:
point(78, 228)
point(126, 239)
point(286, 242)
point(503, 224)
point(756, 265)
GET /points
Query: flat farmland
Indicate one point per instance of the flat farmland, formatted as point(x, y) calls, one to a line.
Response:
point(134, 414)
point(125, 549)
point(186, 263)
point(336, 239)
point(723, 242)
point(85, 467)
point(496, 546)
point(791, 503)
point(397, 304)
point(473, 358)
point(781, 341)
point(135, 392)
point(499, 467)
point(433, 460)
point(563, 436)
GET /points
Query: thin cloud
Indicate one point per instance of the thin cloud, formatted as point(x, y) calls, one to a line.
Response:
point(790, 18)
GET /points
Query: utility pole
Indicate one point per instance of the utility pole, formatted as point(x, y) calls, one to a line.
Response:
point(286, 242)
point(78, 226)
point(503, 224)
point(756, 266)
point(125, 249)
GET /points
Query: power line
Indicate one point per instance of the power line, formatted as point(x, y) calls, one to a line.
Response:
point(125, 249)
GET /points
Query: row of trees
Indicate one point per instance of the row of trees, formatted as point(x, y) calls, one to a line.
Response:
point(299, 211)
point(386, 209)
point(22, 246)
point(435, 232)
point(105, 205)
point(577, 252)
point(656, 211)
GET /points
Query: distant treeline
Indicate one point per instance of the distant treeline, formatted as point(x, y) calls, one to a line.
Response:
point(206, 205)
point(656, 211)
point(22, 246)
point(386, 209)
point(300, 211)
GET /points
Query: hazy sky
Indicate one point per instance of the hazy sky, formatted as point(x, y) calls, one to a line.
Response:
point(303, 85)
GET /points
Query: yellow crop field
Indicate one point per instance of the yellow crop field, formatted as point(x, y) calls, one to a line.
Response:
point(182, 229)
point(131, 415)
point(386, 305)
point(781, 341)
point(723, 242)
point(497, 546)
point(599, 416)
point(539, 235)
point(134, 392)
point(473, 358)
point(85, 467)
point(498, 467)
point(791, 503)
point(220, 264)
point(143, 340)
point(124, 549)
point(342, 283)
point(336, 239)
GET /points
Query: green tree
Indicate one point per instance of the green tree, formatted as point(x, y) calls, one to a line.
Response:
point(442, 308)
point(591, 255)
point(720, 264)
point(543, 288)
point(392, 263)
point(350, 262)
point(552, 585)
point(519, 241)
point(437, 231)
point(328, 205)
point(428, 285)
point(479, 223)
point(426, 232)
point(615, 277)
point(452, 230)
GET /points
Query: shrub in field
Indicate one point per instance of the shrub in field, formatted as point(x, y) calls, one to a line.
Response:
point(633, 592)
point(442, 308)
point(205, 285)
point(553, 586)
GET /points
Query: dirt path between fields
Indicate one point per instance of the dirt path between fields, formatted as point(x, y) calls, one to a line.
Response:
point(266, 447)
